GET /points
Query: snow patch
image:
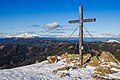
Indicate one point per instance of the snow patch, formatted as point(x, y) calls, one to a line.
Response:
point(43, 71)
point(112, 41)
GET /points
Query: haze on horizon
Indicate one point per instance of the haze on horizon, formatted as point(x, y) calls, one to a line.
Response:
point(40, 17)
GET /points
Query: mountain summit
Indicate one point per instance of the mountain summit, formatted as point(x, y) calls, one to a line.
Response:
point(26, 35)
point(112, 41)
point(97, 66)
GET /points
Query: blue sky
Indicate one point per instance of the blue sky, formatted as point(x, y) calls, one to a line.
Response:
point(37, 16)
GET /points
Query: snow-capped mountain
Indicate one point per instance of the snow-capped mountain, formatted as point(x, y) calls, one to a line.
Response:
point(26, 35)
point(112, 41)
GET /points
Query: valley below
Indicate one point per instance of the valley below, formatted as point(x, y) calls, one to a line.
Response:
point(20, 52)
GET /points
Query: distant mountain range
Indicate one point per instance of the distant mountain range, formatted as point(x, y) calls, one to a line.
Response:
point(28, 39)
point(24, 41)
point(101, 37)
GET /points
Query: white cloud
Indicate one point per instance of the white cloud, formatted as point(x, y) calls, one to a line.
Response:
point(22, 32)
point(52, 25)
point(100, 35)
point(104, 35)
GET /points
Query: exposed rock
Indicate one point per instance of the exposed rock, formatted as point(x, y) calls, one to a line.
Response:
point(108, 57)
point(52, 59)
point(37, 62)
point(94, 61)
point(65, 55)
point(86, 57)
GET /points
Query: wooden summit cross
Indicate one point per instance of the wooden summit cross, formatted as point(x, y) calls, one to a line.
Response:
point(81, 21)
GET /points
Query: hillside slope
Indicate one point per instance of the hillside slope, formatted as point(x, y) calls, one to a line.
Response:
point(67, 67)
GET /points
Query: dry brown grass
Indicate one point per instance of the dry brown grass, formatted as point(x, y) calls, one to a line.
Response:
point(79, 66)
point(62, 75)
point(99, 78)
point(54, 71)
point(108, 57)
point(93, 64)
point(94, 61)
point(117, 67)
point(65, 68)
point(103, 70)
point(115, 79)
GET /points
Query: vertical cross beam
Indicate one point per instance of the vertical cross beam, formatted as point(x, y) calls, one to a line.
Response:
point(81, 35)
point(81, 21)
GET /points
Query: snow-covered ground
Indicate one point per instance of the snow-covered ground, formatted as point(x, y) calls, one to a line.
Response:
point(43, 71)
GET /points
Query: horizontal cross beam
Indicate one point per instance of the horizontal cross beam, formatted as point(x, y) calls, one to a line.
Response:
point(84, 20)
point(89, 20)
